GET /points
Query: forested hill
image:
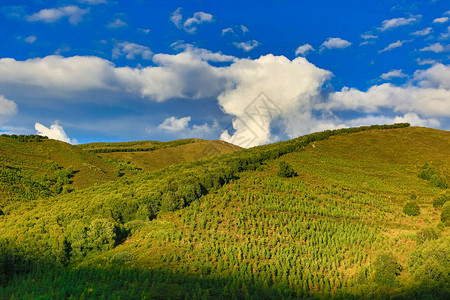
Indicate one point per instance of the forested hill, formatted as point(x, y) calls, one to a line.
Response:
point(33, 167)
point(350, 213)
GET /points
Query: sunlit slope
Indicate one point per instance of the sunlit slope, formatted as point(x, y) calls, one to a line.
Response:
point(29, 167)
point(315, 234)
point(229, 226)
point(165, 157)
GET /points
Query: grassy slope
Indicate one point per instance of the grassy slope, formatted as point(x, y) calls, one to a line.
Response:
point(329, 222)
point(163, 158)
point(35, 159)
point(361, 179)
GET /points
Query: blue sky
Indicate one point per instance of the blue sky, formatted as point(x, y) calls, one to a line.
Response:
point(248, 72)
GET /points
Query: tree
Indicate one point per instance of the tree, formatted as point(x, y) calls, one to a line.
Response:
point(411, 208)
point(445, 214)
point(386, 269)
point(286, 170)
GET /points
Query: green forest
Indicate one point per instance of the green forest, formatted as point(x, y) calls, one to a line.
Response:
point(348, 214)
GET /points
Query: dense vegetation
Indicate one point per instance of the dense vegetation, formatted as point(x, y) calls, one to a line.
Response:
point(232, 226)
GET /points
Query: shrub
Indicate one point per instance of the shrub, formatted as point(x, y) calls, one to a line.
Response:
point(286, 170)
point(427, 234)
point(411, 208)
point(441, 199)
point(386, 269)
point(445, 214)
point(429, 173)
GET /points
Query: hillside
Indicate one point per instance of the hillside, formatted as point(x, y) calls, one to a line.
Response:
point(159, 158)
point(230, 226)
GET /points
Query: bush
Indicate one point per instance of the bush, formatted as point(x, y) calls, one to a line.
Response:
point(429, 173)
point(411, 208)
point(441, 199)
point(426, 234)
point(122, 257)
point(286, 170)
point(386, 269)
point(445, 214)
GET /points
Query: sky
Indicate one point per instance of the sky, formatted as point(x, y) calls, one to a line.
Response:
point(247, 72)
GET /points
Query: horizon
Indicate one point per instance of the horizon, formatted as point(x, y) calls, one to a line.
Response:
point(84, 71)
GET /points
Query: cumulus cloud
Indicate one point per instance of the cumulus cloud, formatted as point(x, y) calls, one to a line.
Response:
point(131, 51)
point(247, 46)
point(117, 23)
point(397, 22)
point(436, 48)
point(391, 46)
point(427, 94)
point(181, 127)
point(52, 15)
point(393, 74)
point(423, 32)
point(441, 20)
point(303, 50)
point(335, 43)
point(173, 124)
point(7, 107)
point(190, 24)
point(290, 88)
point(55, 132)
point(258, 93)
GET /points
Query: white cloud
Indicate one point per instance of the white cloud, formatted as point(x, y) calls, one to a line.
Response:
point(335, 43)
point(55, 132)
point(436, 48)
point(93, 2)
point(393, 74)
point(423, 32)
point(244, 29)
point(303, 50)
point(247, 46)
point(228, 30)
point(52, 15)
point(411, 118)
point(391, 46)
point(30, 39)
point(177, 18)
point(425, 61)
point(131, 51)
point(368, 36)
point(7, 107)
point(427, 94)
point(117, 23)
point(190, 24)
point(397, 22)
point(441, 20)
point(445, 35)
point(173, 124)
point(290, 90)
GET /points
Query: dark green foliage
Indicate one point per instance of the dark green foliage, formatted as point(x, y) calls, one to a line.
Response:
point(427, 234)
point(122, 257)
point(130, 147)
point(411, 208)
point(441, 199)
point(285, 170)
point(445, 214)
point(386, 269)
point(429, 265)
point(26, 138)
point(429, 173)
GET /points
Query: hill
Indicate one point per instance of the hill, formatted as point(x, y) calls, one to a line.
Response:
point(149, 157)
point(234, 226)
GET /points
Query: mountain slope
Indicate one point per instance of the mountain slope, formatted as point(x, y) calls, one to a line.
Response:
point(337, 229)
